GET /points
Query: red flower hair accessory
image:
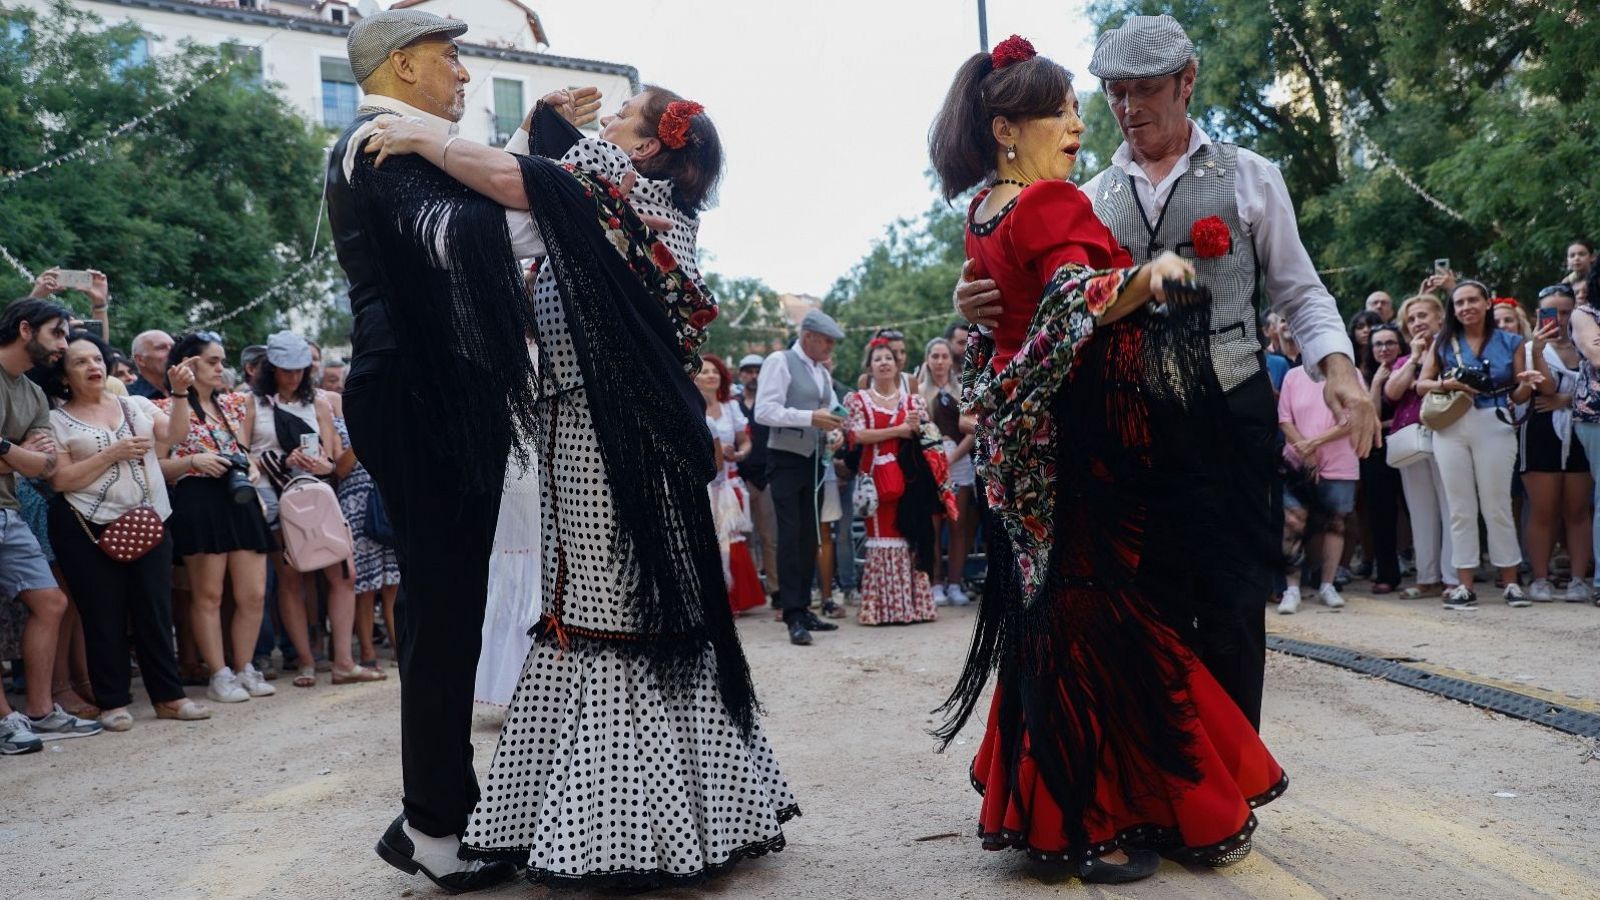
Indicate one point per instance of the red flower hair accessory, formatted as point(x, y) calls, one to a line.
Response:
point(877, 342)
point(1504, 301)
point(674, 127)
point(1211, 238)
point(1013, 49)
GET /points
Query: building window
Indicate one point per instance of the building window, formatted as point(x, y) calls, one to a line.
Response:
point(340, 94)
point(508, 109)
point(134, 55)
point(337, 15)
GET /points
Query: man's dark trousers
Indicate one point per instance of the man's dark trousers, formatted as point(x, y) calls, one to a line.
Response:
point(444, 533)
point(793, 490)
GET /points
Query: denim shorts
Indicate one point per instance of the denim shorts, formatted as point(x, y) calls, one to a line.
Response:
point(22, 563)
point(1335, 495)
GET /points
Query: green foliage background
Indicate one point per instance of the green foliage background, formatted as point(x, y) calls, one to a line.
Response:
point(214, 199)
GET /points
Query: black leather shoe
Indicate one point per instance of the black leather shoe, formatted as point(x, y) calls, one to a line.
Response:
point(396, 849)
point(1141, 864)
point(811, 621)
point(798, 634)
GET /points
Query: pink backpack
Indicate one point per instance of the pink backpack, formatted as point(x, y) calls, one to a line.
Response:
point(315, 533)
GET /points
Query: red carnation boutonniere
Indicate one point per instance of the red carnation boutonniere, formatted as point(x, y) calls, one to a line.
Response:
point(1211, 238)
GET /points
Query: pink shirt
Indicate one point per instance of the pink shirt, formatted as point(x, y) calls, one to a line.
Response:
point(1300, 402)
point(1409, 410)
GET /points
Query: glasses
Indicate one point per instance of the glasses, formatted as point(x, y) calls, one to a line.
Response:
point(210, 337)
point(1554, 289)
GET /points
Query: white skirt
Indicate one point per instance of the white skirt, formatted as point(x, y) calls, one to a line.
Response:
point(515, 589)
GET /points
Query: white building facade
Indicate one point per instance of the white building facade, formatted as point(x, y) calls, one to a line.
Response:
point(299, 46)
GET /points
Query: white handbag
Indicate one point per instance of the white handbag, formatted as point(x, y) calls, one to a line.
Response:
point(1408, 446)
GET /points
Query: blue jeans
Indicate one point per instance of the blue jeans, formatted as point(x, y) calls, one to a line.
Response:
point(1589, 435)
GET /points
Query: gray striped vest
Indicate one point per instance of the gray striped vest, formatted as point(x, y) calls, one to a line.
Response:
point(1205, 189)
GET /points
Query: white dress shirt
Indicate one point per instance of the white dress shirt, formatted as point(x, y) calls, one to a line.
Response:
point(772, 390)
point(525, 239)
point(1293, 288)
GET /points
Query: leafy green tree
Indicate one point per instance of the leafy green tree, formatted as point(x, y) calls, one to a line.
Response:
point(191, 214)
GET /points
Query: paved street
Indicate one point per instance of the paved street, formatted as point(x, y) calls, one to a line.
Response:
point(1396, 793)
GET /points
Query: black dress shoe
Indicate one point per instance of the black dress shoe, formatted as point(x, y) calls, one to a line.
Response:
point(1141, 864)
point(811, 621)
point(396, 850)
point(798, 634)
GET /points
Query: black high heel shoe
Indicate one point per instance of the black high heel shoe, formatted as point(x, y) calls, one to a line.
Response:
point(1141, 864)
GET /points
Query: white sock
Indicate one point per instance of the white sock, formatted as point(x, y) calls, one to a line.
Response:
point(437, 854)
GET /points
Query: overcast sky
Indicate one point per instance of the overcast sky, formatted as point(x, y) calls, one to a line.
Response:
point(823, 107)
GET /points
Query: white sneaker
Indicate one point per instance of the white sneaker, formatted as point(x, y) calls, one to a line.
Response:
point(1542, 591)
point(1577, 592)
point(1330, 597)
point(958, 597)
point(225, 687)
point(1515, 597)
point(1290, 602)
point(939, 596)
point(254, 683)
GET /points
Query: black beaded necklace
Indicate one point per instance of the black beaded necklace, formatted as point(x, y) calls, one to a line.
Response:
point(1020, 184)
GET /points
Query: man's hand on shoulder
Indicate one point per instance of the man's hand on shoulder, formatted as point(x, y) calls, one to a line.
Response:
point(976, 299)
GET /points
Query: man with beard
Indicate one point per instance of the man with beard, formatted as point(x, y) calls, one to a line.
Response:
point(32, 333)
point(1171, 187)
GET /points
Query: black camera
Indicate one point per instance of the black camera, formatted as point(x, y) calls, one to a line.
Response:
point(1475, 377)
point(238, 475)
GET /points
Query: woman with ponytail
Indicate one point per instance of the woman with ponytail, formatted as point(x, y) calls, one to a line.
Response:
point(1108, 742)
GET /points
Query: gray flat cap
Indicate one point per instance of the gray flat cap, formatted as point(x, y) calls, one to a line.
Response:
point(1142, 47)
point(822, 324)
point(754, 360)
point(287, 350)
point(376, 36)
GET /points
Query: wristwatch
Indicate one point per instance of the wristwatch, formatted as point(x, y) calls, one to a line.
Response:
point(5, 447)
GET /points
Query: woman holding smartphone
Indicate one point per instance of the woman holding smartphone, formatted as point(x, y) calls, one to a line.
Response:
point(1555, 471)
point(293, 434)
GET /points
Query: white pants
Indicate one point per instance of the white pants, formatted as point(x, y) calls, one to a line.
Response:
point(1430, 519)
point(1476, 458)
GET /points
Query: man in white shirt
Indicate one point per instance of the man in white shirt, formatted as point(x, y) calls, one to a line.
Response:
point(1169, 172)
point(795, 399)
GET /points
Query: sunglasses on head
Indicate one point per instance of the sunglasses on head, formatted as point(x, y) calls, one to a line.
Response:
point(891, 334)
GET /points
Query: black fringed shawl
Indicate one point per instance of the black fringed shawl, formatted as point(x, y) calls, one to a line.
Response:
point(461, 318)
point(649, 419)
point(1085, 683)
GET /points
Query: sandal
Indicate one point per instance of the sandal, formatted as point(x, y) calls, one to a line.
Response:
point(306, 677)
point(359, 675)
point(188, 711)
point(1422, 590)
point(84, 710)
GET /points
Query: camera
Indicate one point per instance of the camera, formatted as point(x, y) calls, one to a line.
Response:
point(1474, 377)
point(238, 476)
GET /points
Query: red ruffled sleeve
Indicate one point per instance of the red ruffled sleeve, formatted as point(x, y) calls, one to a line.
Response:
point(1054, 224)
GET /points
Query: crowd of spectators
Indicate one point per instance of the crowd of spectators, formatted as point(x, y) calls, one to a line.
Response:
point(139, 521)
point(1491, 411)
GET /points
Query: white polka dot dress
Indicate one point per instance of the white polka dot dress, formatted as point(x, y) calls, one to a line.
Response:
point(599, 777)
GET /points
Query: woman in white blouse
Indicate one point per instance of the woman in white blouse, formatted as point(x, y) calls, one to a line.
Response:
point(109, 469)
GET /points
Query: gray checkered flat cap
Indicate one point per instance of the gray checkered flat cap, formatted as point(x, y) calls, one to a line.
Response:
point(823, 324)
point(1142, 47)
point(373, 38)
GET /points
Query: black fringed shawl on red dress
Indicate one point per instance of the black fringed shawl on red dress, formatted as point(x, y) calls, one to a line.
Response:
point(1094, 443)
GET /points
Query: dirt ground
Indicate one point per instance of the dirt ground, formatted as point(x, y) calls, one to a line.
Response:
point(1395, 793)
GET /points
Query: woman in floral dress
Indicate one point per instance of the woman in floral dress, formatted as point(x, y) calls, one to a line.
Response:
point(886, 418)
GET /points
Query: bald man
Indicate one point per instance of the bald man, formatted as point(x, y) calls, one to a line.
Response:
point(1381, 303)
point(150, 351)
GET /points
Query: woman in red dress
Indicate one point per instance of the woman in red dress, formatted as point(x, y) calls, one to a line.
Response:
point(730, 505)
point(1108, 742)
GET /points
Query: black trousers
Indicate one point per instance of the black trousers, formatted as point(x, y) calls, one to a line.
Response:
point(445, 533)
point(1380, 503)
point(111, 596)
point(793, 490)
point(1227, 629)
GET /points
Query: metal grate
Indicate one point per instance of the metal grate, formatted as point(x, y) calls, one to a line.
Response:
point(1497, 699)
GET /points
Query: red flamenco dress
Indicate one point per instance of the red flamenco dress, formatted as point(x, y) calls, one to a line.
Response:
point(1105, 732)
point(894, 590)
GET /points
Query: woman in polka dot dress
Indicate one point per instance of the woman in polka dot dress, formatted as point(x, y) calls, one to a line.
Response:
point(612, 769)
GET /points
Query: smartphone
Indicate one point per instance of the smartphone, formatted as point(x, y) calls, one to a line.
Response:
point(310, 445)
point(1548, 315)
point(94, 327)
point(1441, 266)
point(74, 279)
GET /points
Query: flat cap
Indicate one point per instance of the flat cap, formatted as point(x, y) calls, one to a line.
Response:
point(373, 38)
point(822, 323)
point(252, 354)
point(1142, 47)
point(287, 350)
point(753, 361)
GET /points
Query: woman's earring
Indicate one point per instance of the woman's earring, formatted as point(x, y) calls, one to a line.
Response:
point(1011, 153)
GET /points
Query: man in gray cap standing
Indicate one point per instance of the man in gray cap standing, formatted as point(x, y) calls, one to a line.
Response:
point(1171, 187)
point(439, 477)
point(794, 398)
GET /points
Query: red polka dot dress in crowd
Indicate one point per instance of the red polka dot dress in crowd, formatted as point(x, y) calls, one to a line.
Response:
point(893, 591)
point(1105, 732)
